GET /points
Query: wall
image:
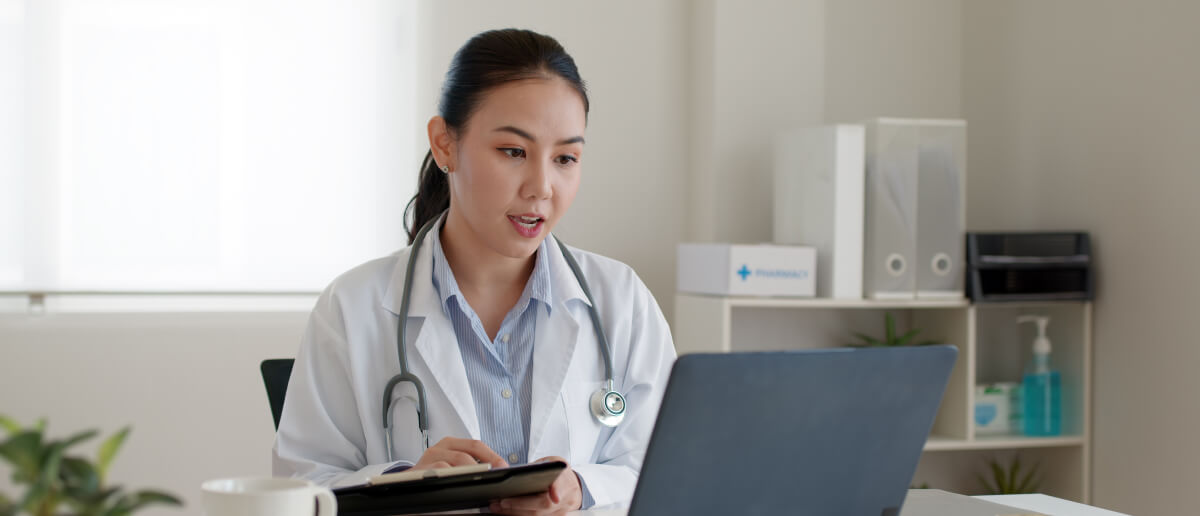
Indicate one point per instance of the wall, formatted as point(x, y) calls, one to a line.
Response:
point(188, 384)
point(757, 68)
point(766, 66)
point(897, 59)
point(1084, 116)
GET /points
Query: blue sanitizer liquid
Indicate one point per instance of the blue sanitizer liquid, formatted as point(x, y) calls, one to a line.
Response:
point(1042, 400)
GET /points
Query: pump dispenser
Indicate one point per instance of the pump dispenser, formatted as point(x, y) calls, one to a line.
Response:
point(1042, 388)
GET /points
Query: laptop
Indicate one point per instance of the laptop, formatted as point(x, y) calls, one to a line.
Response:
point(827, 432)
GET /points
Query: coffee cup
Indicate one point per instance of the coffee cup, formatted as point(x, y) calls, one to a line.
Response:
point(266, 496)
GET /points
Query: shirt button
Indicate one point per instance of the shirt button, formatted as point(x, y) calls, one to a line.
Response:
point(506, 393)
point(513, 458)
point(506, 338)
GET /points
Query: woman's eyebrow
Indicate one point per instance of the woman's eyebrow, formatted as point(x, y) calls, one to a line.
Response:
point(527, 136)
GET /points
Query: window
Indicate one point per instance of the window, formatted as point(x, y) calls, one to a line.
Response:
point(200, 145)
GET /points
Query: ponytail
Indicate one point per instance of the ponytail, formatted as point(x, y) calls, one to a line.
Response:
point(432, 198)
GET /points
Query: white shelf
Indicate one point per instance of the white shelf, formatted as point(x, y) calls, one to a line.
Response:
point(785, 302)
point(1000, 442)
point(991, 348)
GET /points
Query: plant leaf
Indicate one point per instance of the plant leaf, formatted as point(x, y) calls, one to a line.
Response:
point(149, 496)
point(928, 343)
point(1028, 484)
point(23, 451)
point(868, 340)
point(903, 340)
point(108, 450)
point(78, 438)
point(999, 477)
point(983, 482)
point(79, 478)
point(1013, 469)
point(51, 460)
point(6, 506)
point(11, 426)
point(36, 500)
point(890, 331)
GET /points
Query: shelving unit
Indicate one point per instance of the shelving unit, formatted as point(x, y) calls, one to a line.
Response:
point(991, 348)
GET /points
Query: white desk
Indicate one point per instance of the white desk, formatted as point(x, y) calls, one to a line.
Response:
point(1049, 505)
point(1039, 503)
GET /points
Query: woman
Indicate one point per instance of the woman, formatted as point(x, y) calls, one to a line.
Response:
point(498, 327)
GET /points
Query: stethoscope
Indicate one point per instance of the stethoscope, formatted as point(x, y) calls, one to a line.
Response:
point(607, 405)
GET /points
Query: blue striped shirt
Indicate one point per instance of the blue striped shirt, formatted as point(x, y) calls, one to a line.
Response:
point(498, 371)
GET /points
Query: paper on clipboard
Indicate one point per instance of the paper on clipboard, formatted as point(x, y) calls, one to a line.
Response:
point(411, 475)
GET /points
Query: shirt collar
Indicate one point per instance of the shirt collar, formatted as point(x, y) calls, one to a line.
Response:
point(537, 288)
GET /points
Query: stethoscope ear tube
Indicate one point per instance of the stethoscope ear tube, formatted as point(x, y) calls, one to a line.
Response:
point(608, 405)
point(401, 341)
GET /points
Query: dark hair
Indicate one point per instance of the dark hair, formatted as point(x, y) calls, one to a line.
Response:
point(488, 60)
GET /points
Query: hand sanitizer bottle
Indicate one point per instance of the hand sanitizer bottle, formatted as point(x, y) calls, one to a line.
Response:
point(1042, 388)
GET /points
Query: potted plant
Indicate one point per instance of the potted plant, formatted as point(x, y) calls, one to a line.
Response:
point(1009, 479)
point(891, 337)
point(56, 480)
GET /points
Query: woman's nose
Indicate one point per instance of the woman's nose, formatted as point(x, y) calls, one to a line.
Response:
point(537, 181)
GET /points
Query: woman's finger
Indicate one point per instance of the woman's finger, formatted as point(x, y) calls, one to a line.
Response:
point(457, 458)
point(480, 451)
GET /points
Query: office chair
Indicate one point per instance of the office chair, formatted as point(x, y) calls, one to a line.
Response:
point(275, 373)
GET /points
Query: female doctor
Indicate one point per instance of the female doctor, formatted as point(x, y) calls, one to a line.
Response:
point(486, 340)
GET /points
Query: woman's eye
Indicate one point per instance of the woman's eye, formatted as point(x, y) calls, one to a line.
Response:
point(566, 159)
point(513, 152)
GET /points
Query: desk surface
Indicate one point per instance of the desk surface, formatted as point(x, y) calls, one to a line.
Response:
point(1033, 502)
point(1049, 505)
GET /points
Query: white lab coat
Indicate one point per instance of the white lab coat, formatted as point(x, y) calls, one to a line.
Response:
point(331, 430)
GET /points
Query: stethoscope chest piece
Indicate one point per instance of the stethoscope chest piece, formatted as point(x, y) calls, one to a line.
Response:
point(608, 406)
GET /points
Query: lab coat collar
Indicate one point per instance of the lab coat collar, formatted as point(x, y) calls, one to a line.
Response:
point(563, 284)
point(562, 280)
point(436, 342)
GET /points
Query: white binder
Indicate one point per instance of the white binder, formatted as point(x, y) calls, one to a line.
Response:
point(819, 202)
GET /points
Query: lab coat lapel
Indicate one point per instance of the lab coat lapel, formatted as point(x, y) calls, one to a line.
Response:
point(435, 342)
point(555, 345)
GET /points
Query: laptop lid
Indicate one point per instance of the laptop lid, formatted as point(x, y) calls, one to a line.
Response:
point(829, 431)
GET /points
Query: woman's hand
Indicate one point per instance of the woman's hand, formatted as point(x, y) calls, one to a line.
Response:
point(459, 452)
point(565, 495)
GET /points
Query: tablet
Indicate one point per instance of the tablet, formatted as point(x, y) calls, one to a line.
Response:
point(446, 490)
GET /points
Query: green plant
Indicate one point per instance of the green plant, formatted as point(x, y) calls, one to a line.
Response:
point(1010, 479)
point(56, 479)
point(891, 338)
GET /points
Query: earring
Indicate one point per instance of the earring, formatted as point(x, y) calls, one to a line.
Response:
point(445, 169)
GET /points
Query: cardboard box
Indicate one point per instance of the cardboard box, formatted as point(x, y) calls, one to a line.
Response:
point(747, 270)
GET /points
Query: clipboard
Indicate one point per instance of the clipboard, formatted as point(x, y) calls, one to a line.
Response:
point(441, 492)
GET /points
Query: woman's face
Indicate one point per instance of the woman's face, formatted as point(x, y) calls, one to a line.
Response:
point(516, 167)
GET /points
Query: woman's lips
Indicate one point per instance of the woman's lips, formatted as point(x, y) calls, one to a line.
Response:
point(528, 226)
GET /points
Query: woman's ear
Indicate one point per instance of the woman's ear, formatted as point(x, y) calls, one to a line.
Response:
point(441, 142)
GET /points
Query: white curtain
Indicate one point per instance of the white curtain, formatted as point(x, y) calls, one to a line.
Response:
point(201, 145)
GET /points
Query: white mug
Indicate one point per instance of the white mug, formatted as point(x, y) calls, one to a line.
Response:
point(265, 496)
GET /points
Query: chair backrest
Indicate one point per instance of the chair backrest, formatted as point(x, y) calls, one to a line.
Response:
point(275, 373)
